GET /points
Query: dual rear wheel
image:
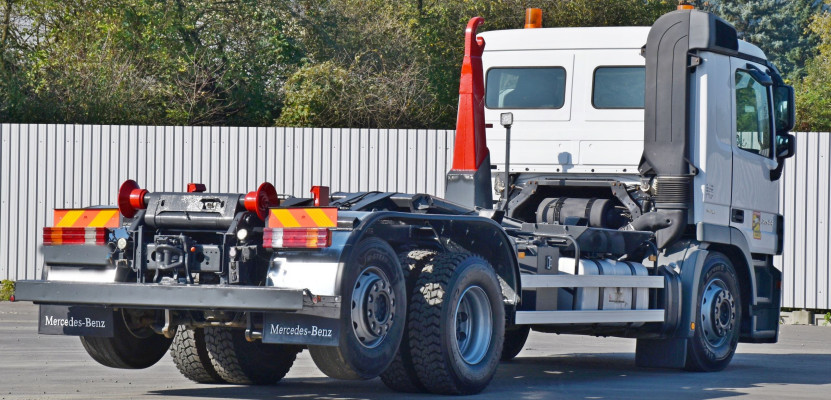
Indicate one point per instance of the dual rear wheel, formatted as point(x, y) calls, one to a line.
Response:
point(456, 325)
point(222, 355)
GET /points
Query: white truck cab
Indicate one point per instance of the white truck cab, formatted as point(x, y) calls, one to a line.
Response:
point(577, 99)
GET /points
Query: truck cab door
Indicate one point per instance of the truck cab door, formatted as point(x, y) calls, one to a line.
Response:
point(755, 197)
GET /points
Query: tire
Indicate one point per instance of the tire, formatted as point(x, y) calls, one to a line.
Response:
point(400, 375)
point(372, 317)
point(457, 324)
point(239, 361)
point(191, 356)
point(515, 338)
point(717, 317)
point(130, 347)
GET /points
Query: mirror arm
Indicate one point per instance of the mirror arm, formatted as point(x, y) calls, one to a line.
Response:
point(776, 173)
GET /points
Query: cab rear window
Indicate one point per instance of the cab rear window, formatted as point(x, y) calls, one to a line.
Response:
point(618, 87)
point(539, 87)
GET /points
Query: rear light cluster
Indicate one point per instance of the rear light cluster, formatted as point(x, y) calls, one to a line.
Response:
point(63, 236)
point(306, 238)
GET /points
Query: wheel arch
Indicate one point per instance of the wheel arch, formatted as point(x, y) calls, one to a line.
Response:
point(473, 234)
point(746, 280)
point(733, 244)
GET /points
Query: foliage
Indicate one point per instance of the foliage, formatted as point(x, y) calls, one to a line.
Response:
point(358, 96)
point(6, 290)
point(812, 91)
point(143, 62)
point(778, 27)
point(347, 63)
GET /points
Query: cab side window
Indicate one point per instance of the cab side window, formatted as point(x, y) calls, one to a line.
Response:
point(619, 87)
point(532, 87)
point(753, 125)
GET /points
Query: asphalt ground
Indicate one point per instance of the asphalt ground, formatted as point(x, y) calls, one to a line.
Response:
point(36, 366)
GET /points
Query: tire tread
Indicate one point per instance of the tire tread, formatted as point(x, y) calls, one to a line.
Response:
point(238, 361)
point(400, 375)
point(191, 356)
point(432, 366)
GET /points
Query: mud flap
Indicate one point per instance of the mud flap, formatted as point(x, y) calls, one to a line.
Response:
point(287, 328)
point(75, 321)
point(661, 353)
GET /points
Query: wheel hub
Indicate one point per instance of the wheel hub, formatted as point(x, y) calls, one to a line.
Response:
point(718, 313)
point(373, 303)
point(473, 324)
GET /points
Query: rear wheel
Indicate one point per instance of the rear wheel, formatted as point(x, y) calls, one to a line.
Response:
point(457, 324)
point(400, 375)
point(239, 361)
point(191, 356)
point(717, 318)
point(133, 346)
point(372, 317)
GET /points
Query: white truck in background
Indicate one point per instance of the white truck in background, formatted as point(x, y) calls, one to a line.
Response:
point(634, 194)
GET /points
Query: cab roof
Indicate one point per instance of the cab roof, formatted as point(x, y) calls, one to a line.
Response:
point(618, 37)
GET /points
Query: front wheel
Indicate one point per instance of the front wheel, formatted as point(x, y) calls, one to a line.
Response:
point(457, 324)
point(717, 318)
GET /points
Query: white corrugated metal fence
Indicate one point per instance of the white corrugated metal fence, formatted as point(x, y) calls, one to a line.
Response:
point(804, 201)
point(43, 167)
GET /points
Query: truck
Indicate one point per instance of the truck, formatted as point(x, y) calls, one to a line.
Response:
point(642, 203)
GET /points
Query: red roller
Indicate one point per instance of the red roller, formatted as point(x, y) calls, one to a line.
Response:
point(258, 202)
point(131, 198)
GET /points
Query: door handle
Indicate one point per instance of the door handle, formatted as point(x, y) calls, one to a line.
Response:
point(737, 216)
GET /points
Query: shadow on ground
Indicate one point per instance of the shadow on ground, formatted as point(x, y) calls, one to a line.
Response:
point(594, 376)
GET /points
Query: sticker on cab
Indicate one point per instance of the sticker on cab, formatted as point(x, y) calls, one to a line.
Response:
point(757, 225)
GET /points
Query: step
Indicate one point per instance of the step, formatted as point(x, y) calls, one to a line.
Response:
point(588, 317)
point(619, 281)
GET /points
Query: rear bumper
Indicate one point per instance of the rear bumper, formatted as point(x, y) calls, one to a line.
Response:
point(173, 297)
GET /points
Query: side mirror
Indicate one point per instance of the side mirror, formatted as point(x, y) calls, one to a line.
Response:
point(784, 108)
point(785, 146)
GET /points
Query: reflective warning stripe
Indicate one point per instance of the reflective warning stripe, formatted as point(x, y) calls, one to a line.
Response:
point(97, 218)
point(325, 217)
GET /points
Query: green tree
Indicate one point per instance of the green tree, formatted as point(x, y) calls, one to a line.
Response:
point(813, 97)
point(144, 61)
point(355, 63)
point(778, 27)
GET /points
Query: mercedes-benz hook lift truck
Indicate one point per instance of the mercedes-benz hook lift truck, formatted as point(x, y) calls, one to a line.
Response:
point(642, 202)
